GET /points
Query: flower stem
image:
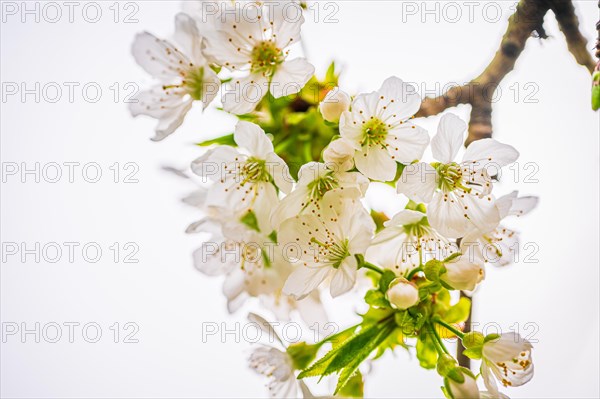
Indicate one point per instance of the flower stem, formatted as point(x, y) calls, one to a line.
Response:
point(439, 343)
point(454, 330)
point(413, 272)
point(371, 266)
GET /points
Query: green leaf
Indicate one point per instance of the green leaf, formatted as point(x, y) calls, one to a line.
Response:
point(362, 354)
point(460, 312)
point(376, 298)
point(223, 140)
point(426, 351)
point(340, 356)
point(302, 354)
point(386, 278)
point(354, 388)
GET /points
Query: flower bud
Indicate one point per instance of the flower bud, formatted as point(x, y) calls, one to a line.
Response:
point(461, 384)
point(464, 273)
point(339, 153)
point(402, 294)
point(334, 103)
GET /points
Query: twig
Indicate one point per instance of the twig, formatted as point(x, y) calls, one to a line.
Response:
point(527, 21)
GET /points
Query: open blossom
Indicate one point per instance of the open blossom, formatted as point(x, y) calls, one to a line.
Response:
point(457, 194)
point(406, 241)
point(499, 245)
point(378, 129)
point(245, 179)
point(257, 45)
point(334, 104)
point(508, 360)
point(317, 183)
point(184, 76)
point(274, 363)
point(323, 245)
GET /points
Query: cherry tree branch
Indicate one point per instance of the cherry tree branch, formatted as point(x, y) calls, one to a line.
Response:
point(527, 21)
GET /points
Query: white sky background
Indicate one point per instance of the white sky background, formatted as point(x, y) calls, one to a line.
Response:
point(169, 300)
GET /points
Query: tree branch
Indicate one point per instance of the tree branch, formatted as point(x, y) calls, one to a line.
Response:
point(527, 21)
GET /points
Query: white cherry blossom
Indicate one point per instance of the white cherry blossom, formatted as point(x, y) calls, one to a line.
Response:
point(246, 178)
point(324, 245)
point(183, 76)
point(377, 127)
point(317, 183)
point(406, 241)
point(506, 359)
point(499, 246)
point(254, 40)
point(457, 194)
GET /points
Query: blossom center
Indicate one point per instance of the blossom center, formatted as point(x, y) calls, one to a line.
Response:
point(254, 171)
point(265, 57)
point(320, 186)
point(450, 177)
point(334, 252)
point(375, 132)
point(194, 83)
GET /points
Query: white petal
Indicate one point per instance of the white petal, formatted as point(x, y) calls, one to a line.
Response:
point(251, 137)
point(158, 57)
point(344, 277)
point(523, 205)
point(407, 142)
point(404, 217)
point(265, 326)
point(287, 22)
point(504, 203)
point(211, 165)
point(290, 206)
point(488, 379)
point(350, 131)
point(449, 138)
point(242, 95)
point(290, 77)
point(488, 153)
point(304, 280)
point(168, 106)
point(455, 216)
point(376, 163)
point(406, 99)
point(418, 182)
point(187, 36)
point(280, 172)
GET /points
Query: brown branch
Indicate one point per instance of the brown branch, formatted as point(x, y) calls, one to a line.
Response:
point(569, 25)
point(527, 21)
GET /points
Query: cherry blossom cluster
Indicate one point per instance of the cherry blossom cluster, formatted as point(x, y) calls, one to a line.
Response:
point(283, 207)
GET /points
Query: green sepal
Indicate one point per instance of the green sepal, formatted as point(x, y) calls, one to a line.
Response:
point(445, 364)
point(473, 339)
point(473, 353)
point(386, 278)
point(250, 221)
point(376, 298)
point(491, 337)
point(223, 140)
point(433, 269)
